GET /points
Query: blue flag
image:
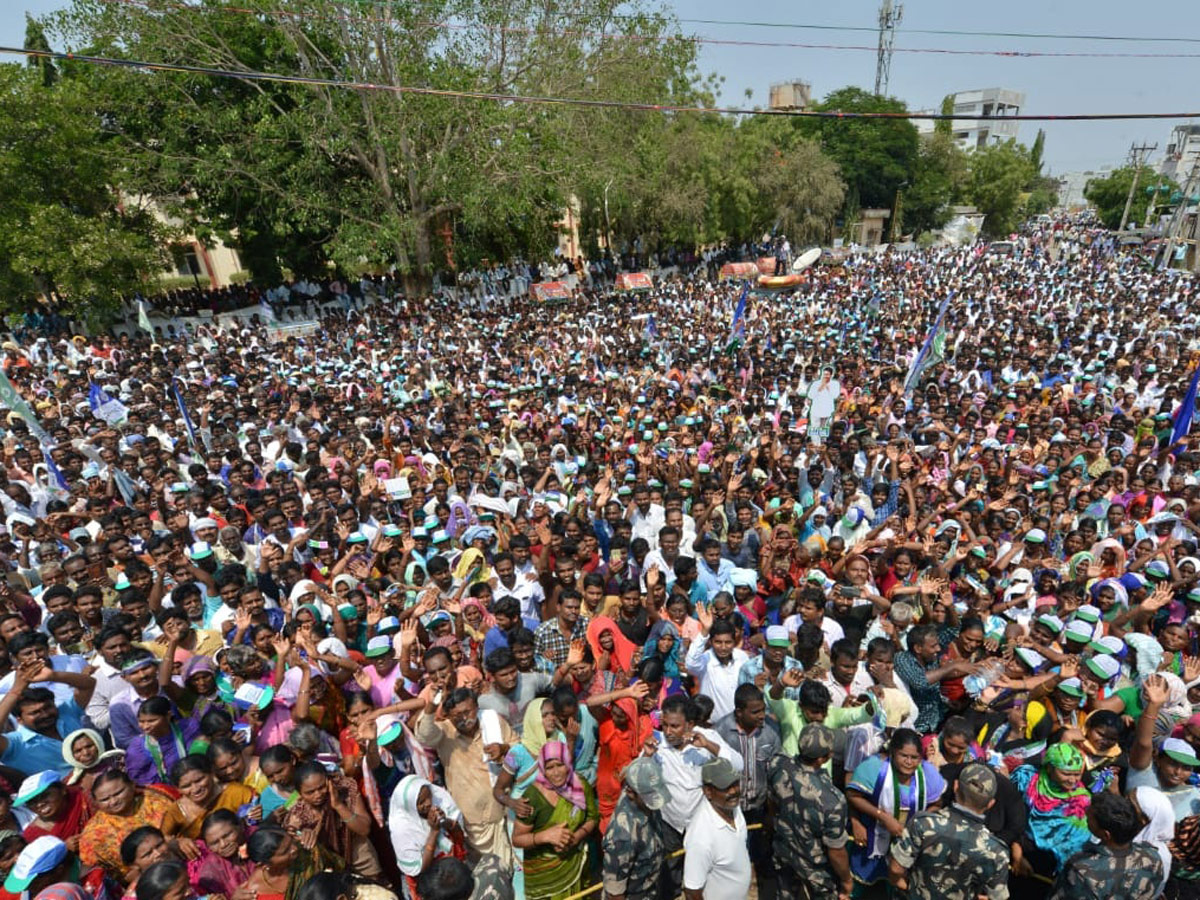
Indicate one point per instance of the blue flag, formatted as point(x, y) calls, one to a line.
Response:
point(932, 351)
point(105, 407)
point(187, 419)
point(651, 329)
point(1187, 409)
point(53, 469)
point(737, 328)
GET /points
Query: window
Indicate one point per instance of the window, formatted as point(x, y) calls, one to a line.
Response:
point(186, 261)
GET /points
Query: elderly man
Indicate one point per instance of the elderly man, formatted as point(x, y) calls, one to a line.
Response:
point(716, 861)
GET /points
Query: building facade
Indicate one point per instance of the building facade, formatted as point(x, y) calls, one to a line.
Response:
point(970, 132)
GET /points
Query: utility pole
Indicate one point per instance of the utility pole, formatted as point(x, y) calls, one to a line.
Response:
point(889, 18)
point(1176, 226)
point(1139, 156)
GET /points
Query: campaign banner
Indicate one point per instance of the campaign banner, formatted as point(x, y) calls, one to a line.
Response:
point(277, 333)
point(634, 281)
point(737, 271)
point(551, 292)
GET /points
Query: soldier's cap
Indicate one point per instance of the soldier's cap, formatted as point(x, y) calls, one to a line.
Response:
point(720, 774)
point(815, 742)
point(977, 783)
point(645, 778)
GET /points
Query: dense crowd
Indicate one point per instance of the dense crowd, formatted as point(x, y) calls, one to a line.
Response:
point(885, 586)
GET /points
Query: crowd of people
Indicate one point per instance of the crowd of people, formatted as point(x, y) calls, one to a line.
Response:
point(885, 586)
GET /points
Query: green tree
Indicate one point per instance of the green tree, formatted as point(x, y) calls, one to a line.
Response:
point(35, 39)
point(938, 182)
point(376, 176)
point(65, 232)
point(999, 174)
point(1108, 194)
point(875, 157)
point(945, 126)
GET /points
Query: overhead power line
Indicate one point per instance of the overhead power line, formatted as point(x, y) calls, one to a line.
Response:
point(947, 32)
point(251, 75)
point(299, 15)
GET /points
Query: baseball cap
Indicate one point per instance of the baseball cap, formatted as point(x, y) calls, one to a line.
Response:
point(977, 783)
point(1109, 645)
point(720, 774)
point(1035, 536)
point(645, 778)
point(200, 550)
point(1048, 620)
point(1088, 613)
point(1072, 687)
point(1103, 667)
point(1178, 750)
point(814, 742)
point(1078, 630)
point(1029, 657)
point(380, 645)
point(777, 636)
point(39, 857)
point(35, 785)
point(387, 729)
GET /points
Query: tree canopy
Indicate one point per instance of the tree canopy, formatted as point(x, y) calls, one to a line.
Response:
point(65, 231)
point(1109, 194)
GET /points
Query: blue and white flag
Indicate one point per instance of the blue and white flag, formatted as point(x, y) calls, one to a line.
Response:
point(177, 394)
point(53, 469)
point(932, 351)
point(267, 311)
point(651, 328)
point(104, 407)
point(1187, 409)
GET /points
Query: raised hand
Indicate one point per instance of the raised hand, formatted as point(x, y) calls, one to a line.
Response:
point(791, 678)
point(1155, 690)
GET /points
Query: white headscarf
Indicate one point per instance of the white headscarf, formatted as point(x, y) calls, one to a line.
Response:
point(1160, 828)
point(409, 831)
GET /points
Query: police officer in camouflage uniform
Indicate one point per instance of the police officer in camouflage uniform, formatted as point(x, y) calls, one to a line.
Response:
point(949, 854)
point(810, 822)
point(634, 852)
point(1116, 868)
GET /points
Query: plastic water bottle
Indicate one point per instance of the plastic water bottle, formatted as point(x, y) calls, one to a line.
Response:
point(975, 684)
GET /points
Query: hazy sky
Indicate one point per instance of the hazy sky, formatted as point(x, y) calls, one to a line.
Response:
point(1052, 85)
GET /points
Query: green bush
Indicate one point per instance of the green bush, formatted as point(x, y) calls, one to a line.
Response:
point(181, 282)
point(239, 277)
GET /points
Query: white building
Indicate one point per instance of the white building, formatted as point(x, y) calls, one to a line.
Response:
point(970, 132)
point(1182, 151)
point(1074, 183)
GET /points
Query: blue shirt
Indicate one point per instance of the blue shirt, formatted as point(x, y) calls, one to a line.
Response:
point(494, 640)
point(31, 752)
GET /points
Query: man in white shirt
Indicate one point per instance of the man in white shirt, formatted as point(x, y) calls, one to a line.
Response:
point(716, 858)
point(112, 645)
point(528, 593)
point(716, 662)
point(645, 517)
point(683, 751)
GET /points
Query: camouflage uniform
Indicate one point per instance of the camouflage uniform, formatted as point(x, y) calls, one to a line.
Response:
point(1099, 872)
point(950, 855)
point(634, 852)
point(810, 818)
